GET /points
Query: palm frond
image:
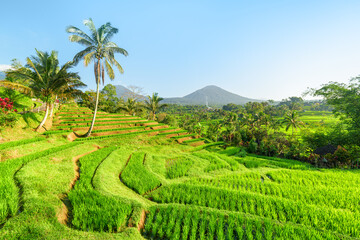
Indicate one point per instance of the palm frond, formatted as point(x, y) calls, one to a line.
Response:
point(15, 86)
point(119, 67)
point(88, 58)
point(80, 40)
point(117, 50)
point(103, 29)
point(90, 24)
point(109, 34)
point(109, 70)
point(82, 53)
point(30, 63)
point(77, 31)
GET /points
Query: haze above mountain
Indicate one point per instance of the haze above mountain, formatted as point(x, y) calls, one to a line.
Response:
point(2, 75)
point(211, 95)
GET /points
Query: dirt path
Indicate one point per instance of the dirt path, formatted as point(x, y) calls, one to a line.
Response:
point(63, 214)
point(141, 224)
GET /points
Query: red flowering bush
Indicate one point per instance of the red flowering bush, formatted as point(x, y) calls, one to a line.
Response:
point(8, 116)
point(6, 105)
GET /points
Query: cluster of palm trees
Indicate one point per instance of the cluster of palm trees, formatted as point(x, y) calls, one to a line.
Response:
point(48, 81)
point(254, 124)
point(151, 104)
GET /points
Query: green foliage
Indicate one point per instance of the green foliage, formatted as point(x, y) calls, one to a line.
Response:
point(253, 146)
point(152, 104)
point(340, 157)
point(91, 210)
point(178, 167)
point(8, 119)
point(111, 100)
point(20, 101)
point(241, 154)
point(168, 119)
point(291, 119)
point(343, 98)
point(131, 106)
point(137, 177)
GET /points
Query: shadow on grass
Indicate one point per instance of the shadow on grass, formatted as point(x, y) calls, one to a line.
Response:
point(30, 118)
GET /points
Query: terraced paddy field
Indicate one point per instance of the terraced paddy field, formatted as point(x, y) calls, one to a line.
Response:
point(147, 185)
point(312, 120)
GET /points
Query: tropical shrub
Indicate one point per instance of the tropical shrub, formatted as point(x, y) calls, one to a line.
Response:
point(253, 146)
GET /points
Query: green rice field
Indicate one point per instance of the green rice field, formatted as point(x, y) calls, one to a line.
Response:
point(143, 184)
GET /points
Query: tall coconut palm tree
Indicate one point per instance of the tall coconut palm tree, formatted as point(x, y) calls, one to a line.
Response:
point(153, 104)
point(291, 119)
point(46, 78)
point(100, 50)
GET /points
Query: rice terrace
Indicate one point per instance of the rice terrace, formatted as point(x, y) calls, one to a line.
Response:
point(85, 158)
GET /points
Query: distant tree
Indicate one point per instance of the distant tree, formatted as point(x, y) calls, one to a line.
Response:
point(88, 99)
point(291, 119)
point(344, 98)
point(293, 103)
point(198, 128)
point(231, 107)
point(230, 122)
point(131, 106)
point(213, 130)
point(100, 50)
point(110, 99)
point(153, 104)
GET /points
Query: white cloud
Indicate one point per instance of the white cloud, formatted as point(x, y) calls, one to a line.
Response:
point(4, 67)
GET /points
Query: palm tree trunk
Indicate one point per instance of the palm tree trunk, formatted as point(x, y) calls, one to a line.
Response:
point(44, 119)
point(52, 105)
point(97, 78)
point(95, 111)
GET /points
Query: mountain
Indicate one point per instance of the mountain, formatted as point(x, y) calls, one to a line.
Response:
point(121, 90)
point(124, 92)
point(212, 95)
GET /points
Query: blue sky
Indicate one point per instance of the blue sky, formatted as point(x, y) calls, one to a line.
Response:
point(258, 49)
